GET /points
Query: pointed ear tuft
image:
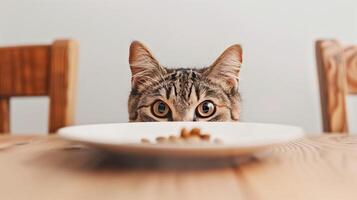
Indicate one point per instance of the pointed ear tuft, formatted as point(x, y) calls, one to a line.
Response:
point(144, 67)
point(140, 58)
point(225, 70)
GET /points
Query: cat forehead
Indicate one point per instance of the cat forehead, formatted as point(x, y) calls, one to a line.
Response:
point(182, 83)
point(183, 74)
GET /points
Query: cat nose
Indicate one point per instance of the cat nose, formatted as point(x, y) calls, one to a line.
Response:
point(185, 117)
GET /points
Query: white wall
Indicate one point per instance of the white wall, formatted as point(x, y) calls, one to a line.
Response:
point(278, 80)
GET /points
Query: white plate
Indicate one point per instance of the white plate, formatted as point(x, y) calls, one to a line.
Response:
point(238, 138)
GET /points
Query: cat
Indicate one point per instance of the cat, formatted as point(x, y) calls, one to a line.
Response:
point(159, 93)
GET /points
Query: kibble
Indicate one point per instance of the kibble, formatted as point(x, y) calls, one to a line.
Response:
point(205, 137)
point(196, 131)
point(145, 141)
point(185, 133)
point(191, 137)
point(161, 139)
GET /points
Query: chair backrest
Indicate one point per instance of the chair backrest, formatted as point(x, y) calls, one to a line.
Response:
point(337, 69)
point(40, 70)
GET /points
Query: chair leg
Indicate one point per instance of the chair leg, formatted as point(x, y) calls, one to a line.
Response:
point(4, 115)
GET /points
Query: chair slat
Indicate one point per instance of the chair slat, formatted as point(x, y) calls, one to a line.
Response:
point(23, 70)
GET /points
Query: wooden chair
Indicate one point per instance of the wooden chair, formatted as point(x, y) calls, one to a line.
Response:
point(337, 69)
point(40, 70)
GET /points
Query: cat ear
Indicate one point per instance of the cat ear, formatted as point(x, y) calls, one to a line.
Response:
point(144, 67)
point(225, 70)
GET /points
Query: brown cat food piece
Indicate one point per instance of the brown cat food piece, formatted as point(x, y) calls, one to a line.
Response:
point(193, 136)
point(145, 141)
point(195, 131)
point(205, 137)
point(161, 139)
point(173, 137)
point(185, 133)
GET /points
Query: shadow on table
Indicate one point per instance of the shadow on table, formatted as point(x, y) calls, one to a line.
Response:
point(170, 163)
point(91, 159)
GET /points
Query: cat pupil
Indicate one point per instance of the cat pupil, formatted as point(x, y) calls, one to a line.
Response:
point(205, 107)
point(161, 108)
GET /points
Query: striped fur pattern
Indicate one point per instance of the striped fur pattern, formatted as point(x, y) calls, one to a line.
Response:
point(184, 89)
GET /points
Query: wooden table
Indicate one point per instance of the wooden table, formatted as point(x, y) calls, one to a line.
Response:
point(46, 167)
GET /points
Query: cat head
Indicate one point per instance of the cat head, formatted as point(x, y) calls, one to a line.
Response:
point(184, 94)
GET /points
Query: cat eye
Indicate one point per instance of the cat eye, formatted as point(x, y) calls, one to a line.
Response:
point(160, 109)
point(205, 109)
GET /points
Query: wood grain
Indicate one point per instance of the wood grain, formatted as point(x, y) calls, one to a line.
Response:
point(46, 167)
point(62, 85)
point(333, 87)
point(23, 70)
point(4, 115)
point(40, 70)
point(350, 56)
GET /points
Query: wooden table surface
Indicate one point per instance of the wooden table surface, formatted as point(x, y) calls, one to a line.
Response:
point(47, 167)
